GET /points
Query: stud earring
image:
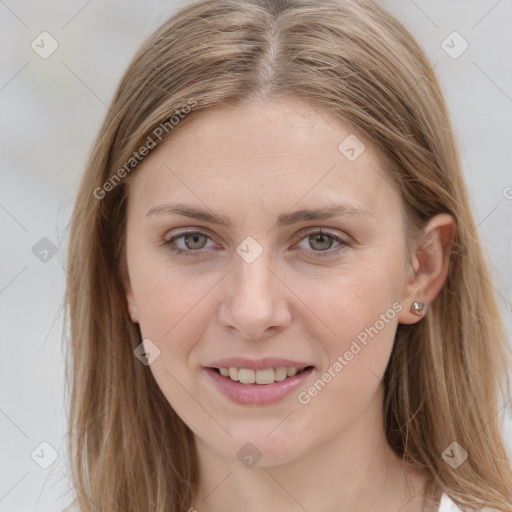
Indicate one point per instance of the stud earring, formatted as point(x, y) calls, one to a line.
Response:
point(131, 310)
point(418, 307)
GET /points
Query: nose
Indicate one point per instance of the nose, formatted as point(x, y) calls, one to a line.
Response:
point(255, 301)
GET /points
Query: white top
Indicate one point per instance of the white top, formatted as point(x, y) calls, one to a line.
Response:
point(447, 505)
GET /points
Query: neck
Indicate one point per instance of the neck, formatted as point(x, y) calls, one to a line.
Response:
point(353, 471)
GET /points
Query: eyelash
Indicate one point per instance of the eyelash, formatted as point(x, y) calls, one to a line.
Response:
point(320, 254)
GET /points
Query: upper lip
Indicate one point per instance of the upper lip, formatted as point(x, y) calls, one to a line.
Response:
point(256, 364)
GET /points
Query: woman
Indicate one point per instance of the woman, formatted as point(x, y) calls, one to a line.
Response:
point(276, 294)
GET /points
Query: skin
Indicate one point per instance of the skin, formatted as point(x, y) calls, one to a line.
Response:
point(252, 162)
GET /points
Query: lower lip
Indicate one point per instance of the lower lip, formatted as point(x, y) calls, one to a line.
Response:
point(255, 394)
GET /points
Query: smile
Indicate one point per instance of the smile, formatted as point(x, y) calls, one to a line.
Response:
point(258, 387)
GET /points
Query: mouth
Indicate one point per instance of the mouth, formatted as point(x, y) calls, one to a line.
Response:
point(260, 377)
point(258, 387)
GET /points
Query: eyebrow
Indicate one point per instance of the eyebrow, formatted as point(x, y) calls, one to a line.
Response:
point(284, 219)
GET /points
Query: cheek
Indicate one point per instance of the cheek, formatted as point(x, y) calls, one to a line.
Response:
point(174, 306)
point(165, 293)
point(358, 328)
point(348, 300)
point(355, 321)
point(357, 354)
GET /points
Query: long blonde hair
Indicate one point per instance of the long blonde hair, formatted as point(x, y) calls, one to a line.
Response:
point(129, 450)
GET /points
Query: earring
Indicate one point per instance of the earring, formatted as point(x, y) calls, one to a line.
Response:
point(131, 310)
point(417, 308)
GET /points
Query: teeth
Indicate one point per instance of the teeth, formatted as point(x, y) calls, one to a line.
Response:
point(246, 376)
point(291, 371)
point(267, 376)
point(280, 373)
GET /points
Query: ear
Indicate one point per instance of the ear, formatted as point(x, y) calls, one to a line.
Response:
point(429, 266)
point(132, 308)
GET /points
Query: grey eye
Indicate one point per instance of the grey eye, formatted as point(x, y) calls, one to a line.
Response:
point(194, 241)
point(320, 241)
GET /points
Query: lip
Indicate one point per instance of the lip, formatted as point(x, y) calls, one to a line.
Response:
point(258, 394)
point(256, 364)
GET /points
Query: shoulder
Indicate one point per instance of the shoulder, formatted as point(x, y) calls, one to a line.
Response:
point(71, 508)
point(447, 505)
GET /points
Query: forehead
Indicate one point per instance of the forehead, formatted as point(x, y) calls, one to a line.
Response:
point(273, 154)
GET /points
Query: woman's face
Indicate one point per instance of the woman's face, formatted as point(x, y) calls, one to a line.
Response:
point(265, 283)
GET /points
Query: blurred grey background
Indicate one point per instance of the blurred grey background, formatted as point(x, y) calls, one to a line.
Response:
point(59, 67)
